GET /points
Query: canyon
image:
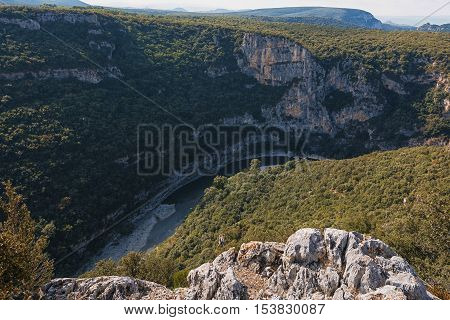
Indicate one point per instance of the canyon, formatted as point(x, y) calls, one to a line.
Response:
point(60, 115)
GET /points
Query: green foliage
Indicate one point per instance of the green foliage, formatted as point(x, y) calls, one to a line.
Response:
point(24, 266)
point(431, 109)
point(102, 268)
point(401, 197)
point(180, 279)
point(138, 265)
point(59, 139)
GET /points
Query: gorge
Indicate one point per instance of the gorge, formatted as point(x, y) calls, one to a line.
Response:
point(69, 114)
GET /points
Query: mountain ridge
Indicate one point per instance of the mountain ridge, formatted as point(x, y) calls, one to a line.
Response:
point(354, 17)
point(68, 3)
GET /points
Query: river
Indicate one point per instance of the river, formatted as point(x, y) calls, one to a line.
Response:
point(148, 230)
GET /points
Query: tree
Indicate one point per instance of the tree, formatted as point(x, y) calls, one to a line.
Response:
point(24, 266)
point(129, 265)
point(103, 268)
point(157, 269)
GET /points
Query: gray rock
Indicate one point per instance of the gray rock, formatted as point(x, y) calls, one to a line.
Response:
point(225, 260)
point(208, 283)
point(329, 281)
point(338, 265)
point(260, 255)
point(343, 293)
point(304, 247)
point(384, 293)
point(304, 286)
point(230, 288)
point(203, 282)
point(411, 286)
point(335, 245)
point(278, 61)
point(374, 277)
point(104, 288)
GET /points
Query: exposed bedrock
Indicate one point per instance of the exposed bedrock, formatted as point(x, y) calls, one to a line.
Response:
point(321, 99)
point(332, 264)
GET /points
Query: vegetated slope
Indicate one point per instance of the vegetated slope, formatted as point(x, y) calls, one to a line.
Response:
point(62, 131)
point(68, 3)
point(401, 197)
point(333, 264)
point(353, 17)
point(66, 124)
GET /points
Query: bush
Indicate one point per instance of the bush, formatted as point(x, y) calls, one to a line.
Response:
point(24, 266)
point(180, 279)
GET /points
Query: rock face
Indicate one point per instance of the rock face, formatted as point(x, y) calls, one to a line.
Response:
point(333, 264)
point(36, 21)
point(104, 288)
point(83, 75)
point(322, 99)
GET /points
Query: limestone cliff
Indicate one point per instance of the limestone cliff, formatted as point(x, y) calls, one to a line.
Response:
point(36, 22)
point(322, 99)
point(333, 264)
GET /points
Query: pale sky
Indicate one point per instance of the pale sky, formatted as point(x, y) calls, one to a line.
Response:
point(379, 8)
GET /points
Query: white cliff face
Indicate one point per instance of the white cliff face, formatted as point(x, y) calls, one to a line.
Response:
point(83, 75)
point(280, 62)
point(332, 264)
point(22, 23)
point(35, 21)
point(276, 61)
point(90, 75)
point(71, 18)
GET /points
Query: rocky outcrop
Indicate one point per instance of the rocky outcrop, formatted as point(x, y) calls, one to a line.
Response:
point(332, 264)
point(435, 27)
point(22, 23)
point(69, 17)
point(105, 288)
point(103, 46)
point(35, 21)
point(94, 41)
point(308, 102)
point(84, 75)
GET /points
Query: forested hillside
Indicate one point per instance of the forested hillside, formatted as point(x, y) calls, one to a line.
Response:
point(349, 17)
point(65, 120)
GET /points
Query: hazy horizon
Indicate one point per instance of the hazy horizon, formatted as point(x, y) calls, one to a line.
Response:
point(402, 12)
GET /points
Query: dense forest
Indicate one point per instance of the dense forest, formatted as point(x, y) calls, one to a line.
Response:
point(401, 197)
point(60, 138)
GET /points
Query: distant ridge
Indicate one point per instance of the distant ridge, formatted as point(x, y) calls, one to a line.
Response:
point(353, 17)
point(179, 10)
point(435, 27)
point(67, 3)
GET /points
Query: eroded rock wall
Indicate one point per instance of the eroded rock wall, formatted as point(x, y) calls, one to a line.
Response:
point(308, 101)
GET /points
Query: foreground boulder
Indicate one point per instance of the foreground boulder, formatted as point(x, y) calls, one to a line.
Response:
point(333, 264)
point(104, 288)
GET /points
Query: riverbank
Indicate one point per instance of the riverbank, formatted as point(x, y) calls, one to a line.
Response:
point(148, 230)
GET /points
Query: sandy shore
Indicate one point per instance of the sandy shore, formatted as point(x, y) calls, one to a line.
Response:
point(135, 241)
